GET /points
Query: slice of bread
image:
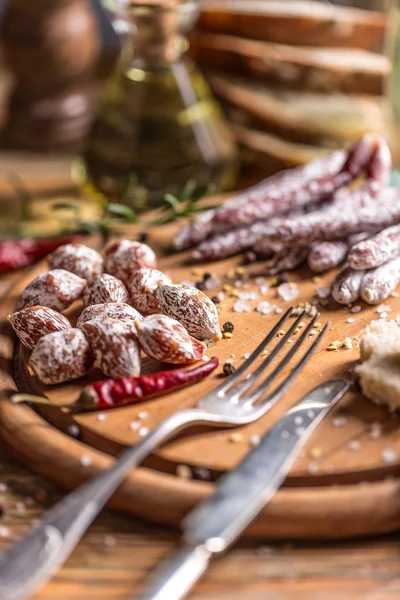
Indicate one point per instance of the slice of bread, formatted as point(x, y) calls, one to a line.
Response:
point(379, 371)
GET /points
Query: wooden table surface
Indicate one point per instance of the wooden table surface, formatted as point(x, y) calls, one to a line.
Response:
point(117, 553)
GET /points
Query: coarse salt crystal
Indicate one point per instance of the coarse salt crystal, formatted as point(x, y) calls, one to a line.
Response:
point(85, 461)
point(247, 355)
point(205, 358)
point(265, 308)
point(229, 361)
point(239, 306)
point(73, 430)
point(255, 440)
point(389, 456)
point(211, 283)
point(134, 425)
point(354, 445)
point(278, 310)
point(143, 431)
point(288, 291)
point(253, 296)
point(356, 309)
point(3, 488)
point(348, 343)
point(259, 280)
point(323, 291)
point(383, 309)
point(383, 315)
point(221, 296)
point(312, 468)
point(376, 431)
point(339, 421)
point(143, 414)
point(351, 320)
point(395, 294)
point(285, 434)
point(299, 431)
point(264, 289)
point(101, 417)
point(298, 420)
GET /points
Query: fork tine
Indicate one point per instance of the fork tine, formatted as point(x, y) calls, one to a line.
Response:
point(271, 400)
point(247, 383)
point(254, 355)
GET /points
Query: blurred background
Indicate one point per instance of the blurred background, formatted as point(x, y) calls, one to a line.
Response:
point(131, 100)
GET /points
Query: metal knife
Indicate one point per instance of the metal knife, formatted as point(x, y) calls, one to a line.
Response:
point(239, 496)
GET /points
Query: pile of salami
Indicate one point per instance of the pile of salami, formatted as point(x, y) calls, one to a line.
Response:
point(336, 209)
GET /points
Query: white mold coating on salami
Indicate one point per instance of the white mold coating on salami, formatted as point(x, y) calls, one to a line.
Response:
point(33, 323)
point(327, 255)
point(378, 284)
point(113, 310)
point(115, 346)
point(288, 259)
point(77, 258)
point(142, 286)
point(165, 339)
point(377, 250)
point(105, 288)
point(122, 258)
point(56, 289)
point(347, 285)
point(61, 356)
point(192, 308)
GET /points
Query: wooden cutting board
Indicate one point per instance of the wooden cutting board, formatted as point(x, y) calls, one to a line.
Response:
point(341, 485)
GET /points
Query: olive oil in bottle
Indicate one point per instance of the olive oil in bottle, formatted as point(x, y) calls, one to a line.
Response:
point(159, 126)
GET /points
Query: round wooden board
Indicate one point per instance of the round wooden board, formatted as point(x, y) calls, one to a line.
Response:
point(340, 485)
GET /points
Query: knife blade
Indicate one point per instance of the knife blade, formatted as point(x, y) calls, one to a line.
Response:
point(212, 526)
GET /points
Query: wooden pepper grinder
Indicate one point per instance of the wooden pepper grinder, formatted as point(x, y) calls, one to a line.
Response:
point(52, 48)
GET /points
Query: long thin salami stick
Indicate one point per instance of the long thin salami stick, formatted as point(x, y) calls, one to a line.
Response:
point(289, 259)
point(353, 213)
point(377, 250)
point(324, 256)
point(378, 284)
point(310, 183)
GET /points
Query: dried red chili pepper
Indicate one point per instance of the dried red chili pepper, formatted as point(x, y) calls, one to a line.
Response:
point(113, 393)
point(15, 254)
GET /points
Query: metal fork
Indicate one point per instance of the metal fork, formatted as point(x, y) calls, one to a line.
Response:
point(31, 561)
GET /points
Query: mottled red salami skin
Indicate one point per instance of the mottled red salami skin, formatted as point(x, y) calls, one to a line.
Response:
point(167, 340)
point(192, 308)
point(122, 258)
point(57, 289)
point(115, 347)
point(104, 289)
point(378, 284)
point(142, 287)
point(77, 258)
point(61, 356)
point(114, 310)
point(33, 323)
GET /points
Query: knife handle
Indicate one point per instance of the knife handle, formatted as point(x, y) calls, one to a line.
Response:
point(175, 577)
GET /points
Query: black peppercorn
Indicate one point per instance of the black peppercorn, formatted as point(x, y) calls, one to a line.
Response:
point(199, 285)
point(228, 327)
point(143, 237)
point(282, 278)
point(228, 369)
point(215, 299)
point(206, 276)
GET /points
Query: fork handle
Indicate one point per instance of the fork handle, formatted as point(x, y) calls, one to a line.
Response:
point(31, 561)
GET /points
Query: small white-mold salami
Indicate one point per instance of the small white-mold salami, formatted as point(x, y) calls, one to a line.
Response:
point(56, 289)
point(33, 323)
point(61, 356)
point(142, 286)
point(115, 346)
point(122, 258)
point(105, 289)
point(377, 250)
point(113, 310)
point(167, 340)
point(192, 308)
point(77, 258)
